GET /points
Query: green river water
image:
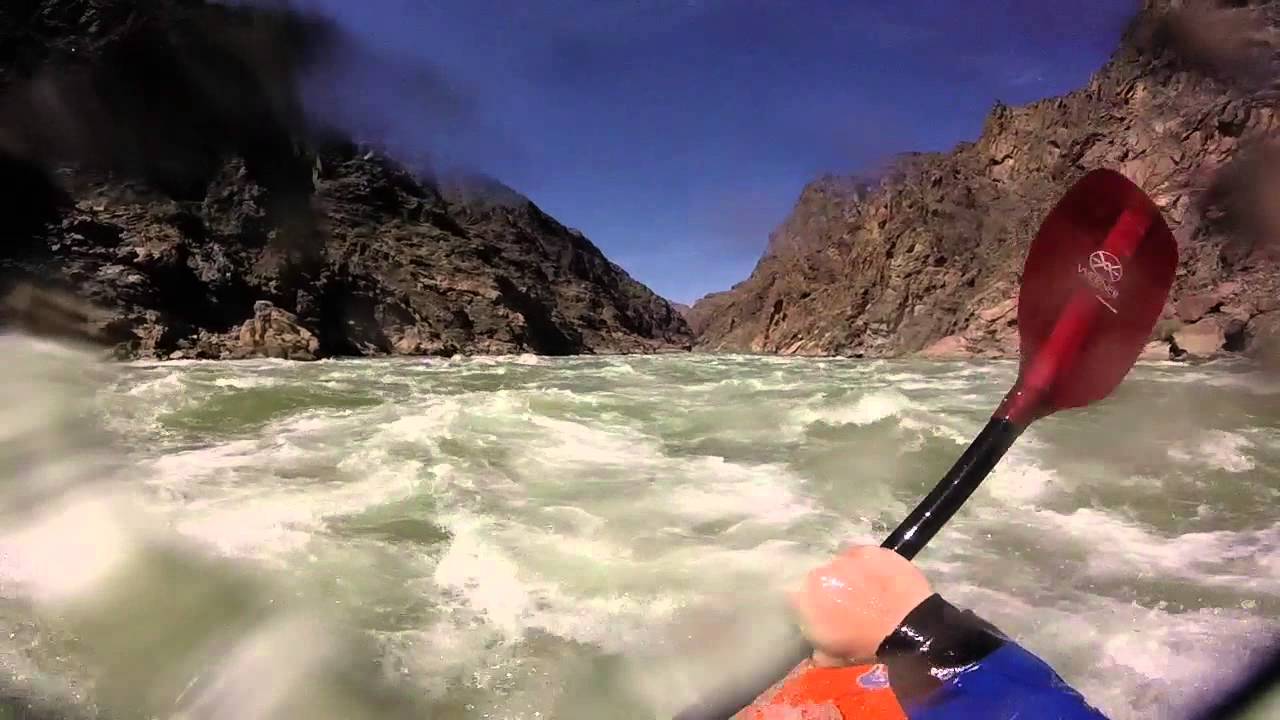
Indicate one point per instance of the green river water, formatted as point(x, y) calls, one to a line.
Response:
point(533, 538)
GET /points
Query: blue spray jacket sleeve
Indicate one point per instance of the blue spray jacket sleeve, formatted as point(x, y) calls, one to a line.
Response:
point(949, 664)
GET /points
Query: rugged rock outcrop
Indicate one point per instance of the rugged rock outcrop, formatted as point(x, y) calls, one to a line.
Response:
point(165, 194)
point(272, 332)
point(927, 257)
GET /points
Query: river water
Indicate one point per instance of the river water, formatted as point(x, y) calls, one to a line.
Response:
point(594, 537)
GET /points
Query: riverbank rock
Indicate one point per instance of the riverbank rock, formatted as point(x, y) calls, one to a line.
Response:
point(275, 333)
point(159, 168)
point(932, 247)
point(1204, 339)
point(950, 347)
point(1156, 350)
point(1264, 338)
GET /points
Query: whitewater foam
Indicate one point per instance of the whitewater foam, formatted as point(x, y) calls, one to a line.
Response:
point(714, 489)
point(869, 408)
point(518, 534)
point(1238, 560)
point(1019, 480)
point(1217, 449)
point(271, 516)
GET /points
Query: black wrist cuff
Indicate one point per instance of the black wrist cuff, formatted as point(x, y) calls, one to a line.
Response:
point(933, 643)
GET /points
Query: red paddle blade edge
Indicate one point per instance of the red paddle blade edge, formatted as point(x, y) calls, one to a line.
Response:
point(1095, 281)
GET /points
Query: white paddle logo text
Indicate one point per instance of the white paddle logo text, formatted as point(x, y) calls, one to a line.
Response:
point(1103, 272)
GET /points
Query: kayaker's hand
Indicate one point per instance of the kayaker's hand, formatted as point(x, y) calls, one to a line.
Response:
point(850, 605)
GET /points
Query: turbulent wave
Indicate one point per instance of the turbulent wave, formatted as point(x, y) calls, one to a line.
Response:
point(588, 537)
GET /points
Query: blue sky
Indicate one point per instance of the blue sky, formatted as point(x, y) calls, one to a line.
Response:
point(678, 133)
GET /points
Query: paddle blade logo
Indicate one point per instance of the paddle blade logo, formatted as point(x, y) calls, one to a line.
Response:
point(877, 678)
point(1103, 272)
point(1103, 262)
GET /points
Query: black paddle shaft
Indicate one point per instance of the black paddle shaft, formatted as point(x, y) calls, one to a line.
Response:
point(907, 540)
point(954, 489)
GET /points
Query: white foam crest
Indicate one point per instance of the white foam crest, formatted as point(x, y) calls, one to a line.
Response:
point(219, 505)
point(1119, 548)
point(580, 519)
point(711, 488)
point(619, 367)
point(1265, 436)
point(898, 377)
point(1217, 449)
point(203, 462)
point(519, 576)
point(1255, 383)
point(345, 374)
point(564, 442)
point(930, 427)
point(1180, 374)
point(612, 622)
point(921, 381)
point(1018, 479)
point(986, 370)
point(933, 385)
point(318, 424)
point(246, 382)
point(692, 488)
point(151, 396)
point(754, 384)
point(486, 361)
point(766, 567)
point(513, 597)
point(482, 574)
point(869, 408)
point(578, 398)
point(163, 386)
point(299, 437)
point(437, 420)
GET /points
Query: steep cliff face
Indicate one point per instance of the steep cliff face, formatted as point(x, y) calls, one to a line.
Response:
point(928, 257)
point(170, 200)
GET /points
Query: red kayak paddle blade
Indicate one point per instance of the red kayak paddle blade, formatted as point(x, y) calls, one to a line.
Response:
point(1095, 282)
